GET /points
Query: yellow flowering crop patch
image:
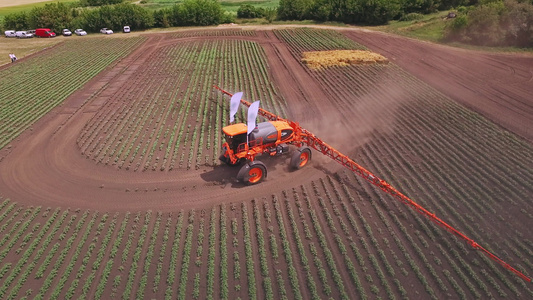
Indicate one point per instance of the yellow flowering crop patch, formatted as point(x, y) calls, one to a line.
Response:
point(324, 59)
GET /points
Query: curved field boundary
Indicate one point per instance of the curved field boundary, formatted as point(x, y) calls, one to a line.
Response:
point(166, 117)
point(312, 234)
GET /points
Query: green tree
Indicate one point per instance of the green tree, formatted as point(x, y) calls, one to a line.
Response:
point(377, 12)
point(419, 6)
point(270, 14)
point(115, 17)
point(249, 11)
point(447, 4)
point(197, 13)
point(518, 22)
point(321, 10)
point(293, 9)
point(16, 21)
point(162, 18)
point(484, 24)
point(494, 23)
point(55, 16)
point(99, 2)
point(130, 14)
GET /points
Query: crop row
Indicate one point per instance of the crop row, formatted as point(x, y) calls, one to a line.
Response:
point(305, 39)
point(450, 160)
point(213, 33)
point(46, 80)
point(319, 240)
point(168, 115)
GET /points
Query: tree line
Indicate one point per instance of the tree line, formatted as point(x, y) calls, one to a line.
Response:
point(494, 23)
point(83, 14)
point(482, 22)
point(369, 12)
point(95, 14)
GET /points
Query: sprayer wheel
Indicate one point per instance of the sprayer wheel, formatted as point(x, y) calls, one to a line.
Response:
point(252, 173)
point(300, 158)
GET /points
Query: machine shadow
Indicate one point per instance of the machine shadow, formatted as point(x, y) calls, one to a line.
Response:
point(226, 176)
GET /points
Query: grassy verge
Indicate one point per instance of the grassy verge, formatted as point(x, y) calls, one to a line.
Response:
point(431, 28)
point(228, 5)
point(26, 7)
point(24, 47)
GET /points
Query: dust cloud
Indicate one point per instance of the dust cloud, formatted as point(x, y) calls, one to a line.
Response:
point(348, 123)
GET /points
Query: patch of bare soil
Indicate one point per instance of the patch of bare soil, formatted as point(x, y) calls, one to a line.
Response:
point(44, 165)
point(498, 86)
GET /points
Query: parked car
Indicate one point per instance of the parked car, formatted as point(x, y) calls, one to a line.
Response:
point(44, 32)
point(66, 32)
point(126, 29)
point(32, 31)
point(10, 33)
point(80, 32)
point(23, 35)
point(106, 31)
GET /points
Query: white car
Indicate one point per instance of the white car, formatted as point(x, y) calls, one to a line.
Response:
point(106, 31)
point(66, 32)
point(23, 35)
point(80, 32)
point(10, 33)
point(126, 29)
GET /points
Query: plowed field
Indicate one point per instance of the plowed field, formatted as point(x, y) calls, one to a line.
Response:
point(117, 191)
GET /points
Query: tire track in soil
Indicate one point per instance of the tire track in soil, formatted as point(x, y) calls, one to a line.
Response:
point(45, 166)
point(494, 85)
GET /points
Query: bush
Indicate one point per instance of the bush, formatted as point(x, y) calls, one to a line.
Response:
point(270, 14)
point(419, 6)
point(55, 16)
point(495, 23)
point(248, 11)
point(115, 17)
point(377, 12)
point(227, 18)
point(196, 13)
point(162, 18)
point(411, 17)
point(518, 23)
point(16, 21)
point(456, 28)
point(99, 2)
point(293, 9)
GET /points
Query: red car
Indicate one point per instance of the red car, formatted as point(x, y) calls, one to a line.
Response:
point(44, 32)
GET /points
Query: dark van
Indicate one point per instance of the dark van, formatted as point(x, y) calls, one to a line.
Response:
point(44, 32)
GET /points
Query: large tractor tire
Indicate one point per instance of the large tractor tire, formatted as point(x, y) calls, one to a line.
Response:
point(252, 173)
point(300, 158)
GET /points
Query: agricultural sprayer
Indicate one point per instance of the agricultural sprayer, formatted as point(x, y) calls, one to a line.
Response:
point(245, 141)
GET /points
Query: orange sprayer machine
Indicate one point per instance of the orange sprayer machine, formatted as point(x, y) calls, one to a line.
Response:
point(245, 142)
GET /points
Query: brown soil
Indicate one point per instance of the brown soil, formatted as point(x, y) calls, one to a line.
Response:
point(44, 165)
point(498, 86)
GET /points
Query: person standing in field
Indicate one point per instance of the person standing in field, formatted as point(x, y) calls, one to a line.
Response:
point(13, 57)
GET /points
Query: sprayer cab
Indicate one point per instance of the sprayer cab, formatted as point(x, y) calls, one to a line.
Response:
point(267, 137)
point(235, 135)
point(272, 138)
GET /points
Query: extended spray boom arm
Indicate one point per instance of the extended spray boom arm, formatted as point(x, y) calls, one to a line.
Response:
point(314, 142)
